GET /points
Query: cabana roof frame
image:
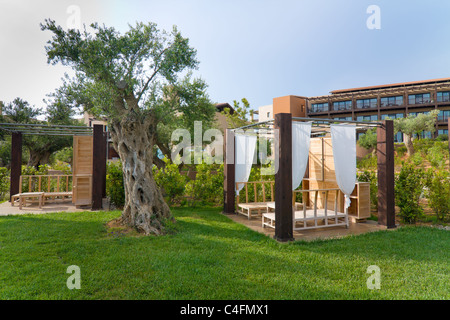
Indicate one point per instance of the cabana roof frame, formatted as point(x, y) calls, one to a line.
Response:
point(317, 122)
point(44, 129)
point(100, 138)
point(283, 177)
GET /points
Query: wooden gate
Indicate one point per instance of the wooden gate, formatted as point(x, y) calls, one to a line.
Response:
point(82, 170)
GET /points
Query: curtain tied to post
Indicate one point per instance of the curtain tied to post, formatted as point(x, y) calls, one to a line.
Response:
point(343, 138)
point(245, 146)
point(301, 138)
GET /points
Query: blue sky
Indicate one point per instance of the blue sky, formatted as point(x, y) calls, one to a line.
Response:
point(253, 49)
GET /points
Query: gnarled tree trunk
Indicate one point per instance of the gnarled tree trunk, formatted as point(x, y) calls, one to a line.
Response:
point(38, 157)
point(145, 209)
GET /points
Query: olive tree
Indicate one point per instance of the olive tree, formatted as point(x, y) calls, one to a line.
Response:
point(132, 79)
point(415, 124)
point(369, 140)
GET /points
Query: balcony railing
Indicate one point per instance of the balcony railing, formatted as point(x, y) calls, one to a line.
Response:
point(366, 106)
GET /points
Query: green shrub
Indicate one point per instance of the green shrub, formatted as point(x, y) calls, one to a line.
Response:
point(255, 175)
point(368, 162)
point(436, 157)
point(422, 145)
point(438, 194)
point(4, 183)
point(401, 151)
point(64, 155)
point(417, 159)
point(5, 152)
point(442, 137)
point(115, 190)
point(207, 188)
point(64, 167)
point(31, 171)
point(437, 154)
point(371, 176)
point(409, 186)
point(368, 140)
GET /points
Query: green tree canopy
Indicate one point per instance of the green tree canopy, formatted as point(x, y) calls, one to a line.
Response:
point(415, 125)
point(191, 102)
point(238, 118)
point(368, 140)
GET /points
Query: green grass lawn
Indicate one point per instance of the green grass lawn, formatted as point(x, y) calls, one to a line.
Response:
point(208, 256)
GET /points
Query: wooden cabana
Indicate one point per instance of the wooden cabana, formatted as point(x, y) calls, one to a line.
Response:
point(86, 186)
point(318, 187)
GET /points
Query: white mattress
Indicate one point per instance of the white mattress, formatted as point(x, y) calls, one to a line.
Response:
point(253, 205)
point(299, 216)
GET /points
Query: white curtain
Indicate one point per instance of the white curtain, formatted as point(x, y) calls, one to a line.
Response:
point(301, 138)
point(343, 138)
point(245, 146)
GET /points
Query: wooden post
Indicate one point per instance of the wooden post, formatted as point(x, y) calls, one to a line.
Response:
point(105, 156)
point(16, 163)
point(283, 179)
point(385, 154)
point(229, 203)
point(99, 167)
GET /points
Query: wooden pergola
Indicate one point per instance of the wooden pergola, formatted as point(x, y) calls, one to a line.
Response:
point(283, 177)
point(99, 156)
point(386, 90)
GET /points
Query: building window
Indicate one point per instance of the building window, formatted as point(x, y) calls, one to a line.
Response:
point(443, 131)
point(343, 118)
point(342, 105)
point(423, 135)
point(444, 115)
point(366, 103)
point(367, 118)
point(419, 98)
point(319, 107)
point(391, 101)
point(268, 114)
point(443, 96)
point(398, 137)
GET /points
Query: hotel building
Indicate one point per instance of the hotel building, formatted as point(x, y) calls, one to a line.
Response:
point(375, 103)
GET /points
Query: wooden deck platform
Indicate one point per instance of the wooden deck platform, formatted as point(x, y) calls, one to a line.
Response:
point(312, 234)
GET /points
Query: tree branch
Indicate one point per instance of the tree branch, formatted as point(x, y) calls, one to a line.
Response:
point(159, 163)
point(154, 73)
point(147, 84)
point(166, 151)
